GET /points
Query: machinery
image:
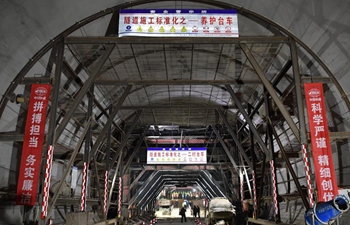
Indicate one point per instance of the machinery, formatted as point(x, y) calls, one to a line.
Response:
point(164, 207)
point(220, 209)
point(327, 212)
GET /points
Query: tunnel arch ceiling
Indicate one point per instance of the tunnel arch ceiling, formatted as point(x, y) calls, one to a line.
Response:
point(185, 84)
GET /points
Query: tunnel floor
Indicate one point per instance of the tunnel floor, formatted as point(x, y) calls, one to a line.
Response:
point(177, 221)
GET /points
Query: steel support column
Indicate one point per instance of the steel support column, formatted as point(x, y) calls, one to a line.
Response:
point(108, 124)
point(298, 92)
point(271, 90)
point(97, 182)
point(70, 73)
point(289, 166)
point(126, 137)
point(50, 138)
point(235, 139)
point(107, 168)
point(84, 90)
point(137, 178)
point(301, 117)
point(277, 79)
point(248, 120)
point(269, 141)
point(225, 148)
point(108, 145)
point(68, 168)
point(257, 194)
point(113, 181)
point(135, 149)
point(245, 173)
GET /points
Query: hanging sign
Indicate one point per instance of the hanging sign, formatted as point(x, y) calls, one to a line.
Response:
point(195, 155)
point(326, 180)
point(178, 22)
point(27, 186)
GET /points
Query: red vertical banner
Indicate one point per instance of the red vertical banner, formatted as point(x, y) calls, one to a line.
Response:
point(27, 186)
point(326, 181)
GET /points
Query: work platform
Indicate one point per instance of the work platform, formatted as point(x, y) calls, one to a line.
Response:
point(191, 221)
point(263, 222)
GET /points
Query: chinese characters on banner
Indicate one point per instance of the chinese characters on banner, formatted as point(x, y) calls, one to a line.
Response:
point(27, 186)
point(326, 180)
point(178, 23)
point(157, 155)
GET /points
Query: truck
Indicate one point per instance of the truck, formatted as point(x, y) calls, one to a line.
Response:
point(221, 211)
point(164, 207)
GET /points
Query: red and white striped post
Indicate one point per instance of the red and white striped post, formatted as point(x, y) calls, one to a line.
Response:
point(105, 193)
point(120, 197)
point(46, 190)
point(274, 187)
point(50, 221)
point(308, 177)
point(255, 205)
point(83, 189)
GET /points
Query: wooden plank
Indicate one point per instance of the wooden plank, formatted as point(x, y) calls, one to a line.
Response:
point(112, 221)
point(263, 222)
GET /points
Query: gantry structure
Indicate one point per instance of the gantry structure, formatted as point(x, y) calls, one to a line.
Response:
point(112, 97)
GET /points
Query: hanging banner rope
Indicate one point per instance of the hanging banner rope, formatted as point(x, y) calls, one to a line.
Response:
point(46, 189)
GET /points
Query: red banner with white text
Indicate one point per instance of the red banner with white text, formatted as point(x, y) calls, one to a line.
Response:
point(326, 179)
point(29, 172)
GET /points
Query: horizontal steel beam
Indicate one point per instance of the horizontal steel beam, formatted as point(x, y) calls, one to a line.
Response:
point(174, 40)
point(60, 201)
point(11, 136)
point(72, 201)
point(307, 79)
point(176, 137)
point(35, 80)
point(177, 106)
point(339, 135)
point(14, 136)
point(106, 82)
point(208, 166)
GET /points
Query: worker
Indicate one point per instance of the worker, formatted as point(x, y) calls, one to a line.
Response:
point(198, 211)
point(183, 214)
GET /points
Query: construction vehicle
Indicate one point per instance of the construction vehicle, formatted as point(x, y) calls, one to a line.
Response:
point(221, 209)
point(164, 207)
